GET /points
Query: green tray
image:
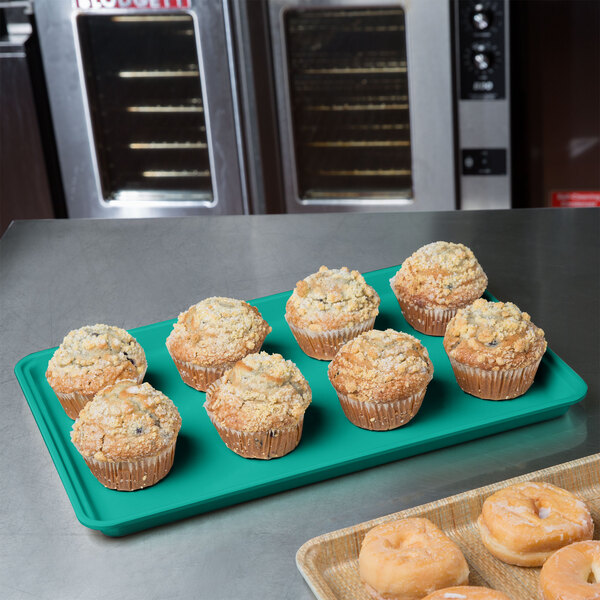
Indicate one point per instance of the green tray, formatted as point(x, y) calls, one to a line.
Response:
point(206, 475)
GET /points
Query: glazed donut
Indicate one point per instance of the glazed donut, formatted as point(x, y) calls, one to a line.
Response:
point(572, 573)
point(409, 558)
point(525, 523)
point(467, 592)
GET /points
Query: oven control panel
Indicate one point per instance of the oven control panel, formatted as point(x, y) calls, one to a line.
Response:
point(482, 57)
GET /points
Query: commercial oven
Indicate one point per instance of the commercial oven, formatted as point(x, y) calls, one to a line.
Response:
point(166, 107)
point(143, 106)
point(369, 113)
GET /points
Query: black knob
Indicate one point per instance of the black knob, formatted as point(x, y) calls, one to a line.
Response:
point(481, 19)
point(482, 60)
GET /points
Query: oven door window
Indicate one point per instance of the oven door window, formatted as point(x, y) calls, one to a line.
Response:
point(348, 93)
point(144, 94)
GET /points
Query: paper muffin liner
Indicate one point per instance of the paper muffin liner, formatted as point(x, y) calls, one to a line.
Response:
point(200, 377)
point(503, 384)
point(381, 416)
point(325, 344)
point(265, 445)
point(73, 402)
point(430, 321)
point(134, 474)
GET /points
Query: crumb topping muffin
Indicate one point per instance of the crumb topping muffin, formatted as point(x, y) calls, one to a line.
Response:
point(332, 299)
point(378, 366)
point(216, 331)
point(126, 421)
point(440, 274)
point(380, 378)
point(93, 357)
point(261, 392)
point(493, 336)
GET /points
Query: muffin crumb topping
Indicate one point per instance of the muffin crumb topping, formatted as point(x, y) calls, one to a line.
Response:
point(380, 366)
point(94, 356)
point(442, 274)
point(262, 391)
point(217, 330)
point(494, 335)
point(126, 421)
point(332, 299)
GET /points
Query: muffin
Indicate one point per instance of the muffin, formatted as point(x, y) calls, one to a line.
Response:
point(494, 349)
point(91, 358)
point(434, 282)
point(380, 378)
point(258, 406)
point(127, 435)
point(328, 308)
point(211, 336)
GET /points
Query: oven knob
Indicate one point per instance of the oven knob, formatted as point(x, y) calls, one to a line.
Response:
point(481, 19)
point(482, 60)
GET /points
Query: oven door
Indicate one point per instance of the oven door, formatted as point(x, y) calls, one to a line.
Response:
point(364, 101)
point(142, 105)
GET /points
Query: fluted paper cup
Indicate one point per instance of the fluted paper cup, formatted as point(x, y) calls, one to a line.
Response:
point(264, 445)
point(381, 416)
point(503, 384)
point(430, 321)
point(324, 345)
point(73, 402)
point(199, 377)
point(134, 474)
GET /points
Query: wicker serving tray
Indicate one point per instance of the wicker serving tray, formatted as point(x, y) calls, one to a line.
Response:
point(329, 562)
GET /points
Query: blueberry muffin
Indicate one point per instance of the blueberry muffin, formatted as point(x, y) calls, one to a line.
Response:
point(434, 282)
point(258, 406)
point(494, 349)
point(328, 308)
point(381, 378)
point(211, 336)
point(91, 358)
point(127, 435)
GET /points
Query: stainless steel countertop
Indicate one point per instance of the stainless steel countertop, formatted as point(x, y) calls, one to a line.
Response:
point(59, 275)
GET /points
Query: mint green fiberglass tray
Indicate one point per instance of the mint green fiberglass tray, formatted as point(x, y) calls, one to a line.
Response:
point(206, 475)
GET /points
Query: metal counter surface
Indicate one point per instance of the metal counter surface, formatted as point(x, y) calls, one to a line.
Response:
point(59, 275)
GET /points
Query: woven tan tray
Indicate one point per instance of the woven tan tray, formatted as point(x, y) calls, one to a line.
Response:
point(329, 562)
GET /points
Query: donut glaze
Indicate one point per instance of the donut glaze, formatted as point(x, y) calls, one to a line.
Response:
point(525, 523)
point(572, 573)
point(467, 592)
point(408, 559)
